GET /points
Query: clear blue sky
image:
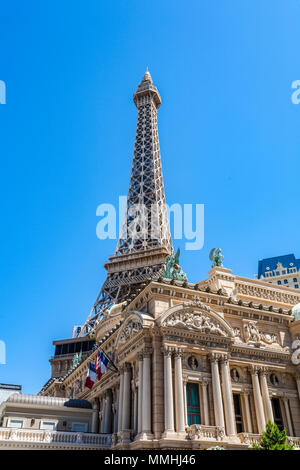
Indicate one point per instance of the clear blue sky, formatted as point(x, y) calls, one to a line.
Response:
point(229, 136)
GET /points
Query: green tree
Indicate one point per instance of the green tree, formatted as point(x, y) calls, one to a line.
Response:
point(273, 439)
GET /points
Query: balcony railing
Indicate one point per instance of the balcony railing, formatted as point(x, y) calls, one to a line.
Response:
point(41, 438)
point(249, 438)
point(200, 431)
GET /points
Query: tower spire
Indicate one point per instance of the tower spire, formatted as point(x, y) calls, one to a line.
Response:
point(145, 241)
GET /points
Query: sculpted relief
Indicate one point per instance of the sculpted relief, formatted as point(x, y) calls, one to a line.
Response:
point(130, 329)
point(253, 335)
point(195, 321)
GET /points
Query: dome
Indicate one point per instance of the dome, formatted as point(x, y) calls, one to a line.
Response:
point(78, 403)
point(296, 312)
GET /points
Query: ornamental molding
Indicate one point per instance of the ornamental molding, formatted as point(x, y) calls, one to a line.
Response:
point(270, 292)
point(197, 317)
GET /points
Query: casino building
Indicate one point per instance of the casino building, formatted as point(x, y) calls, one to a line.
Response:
point(197, 364)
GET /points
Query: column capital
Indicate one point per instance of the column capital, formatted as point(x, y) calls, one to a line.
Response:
point(107, 393)
point(140, 356)
point(204, 381)
point(254, 369)
point(147, 352)
point(285, 397)
point(263, 371)
point(167, 350)
point(224, 358)
point(127, 367)
point(215, 356)
point(178, 352)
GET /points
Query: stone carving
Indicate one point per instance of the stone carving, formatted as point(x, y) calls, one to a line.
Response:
point(253, 335)
point(195, 321)
point(193, 363)
point(237, 334)
point(197, 303)
point(130, 329)
point(220, 433)
point(236, 331)
point(274, 380)
point(235, 376)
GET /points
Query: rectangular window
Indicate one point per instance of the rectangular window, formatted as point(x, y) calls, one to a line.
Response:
point(15, 423)
point(80, 427)
point(193, 404)
point(277, 413)
point(49, 425)
point(238, 412)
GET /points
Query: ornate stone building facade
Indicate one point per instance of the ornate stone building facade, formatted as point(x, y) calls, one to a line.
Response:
point(198, 364)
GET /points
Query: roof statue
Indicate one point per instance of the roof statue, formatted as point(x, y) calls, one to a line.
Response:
point(173, 270)
point(216, 257)
point(76, 360)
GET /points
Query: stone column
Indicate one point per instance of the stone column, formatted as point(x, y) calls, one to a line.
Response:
point(107, 412)
point(146, 416)
point(116, 408)
point(102, 413)
point(168, 391)
point(179, 400)
point(185, 403)
point(227, 395)
point(126, 397)
point(298, 384)
point(120, 407)
point(248, 421)
point(95, 416)
point(140, 393)
point(259, 408)
point(205, 402)
point(135, 406)
point(288, 417)
point(217, 395)
point(265, 394)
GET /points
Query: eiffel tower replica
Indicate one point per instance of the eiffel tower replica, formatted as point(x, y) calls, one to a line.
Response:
point(145, 241)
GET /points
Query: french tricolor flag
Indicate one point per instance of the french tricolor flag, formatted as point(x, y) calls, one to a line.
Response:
point(91, 376)
point(101, 364)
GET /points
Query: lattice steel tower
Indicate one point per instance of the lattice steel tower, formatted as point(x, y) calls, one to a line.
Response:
point(145, 240)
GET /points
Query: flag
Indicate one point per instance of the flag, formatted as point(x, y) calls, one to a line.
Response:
point(97, 364)
point(91, 376)
point(101, 362)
